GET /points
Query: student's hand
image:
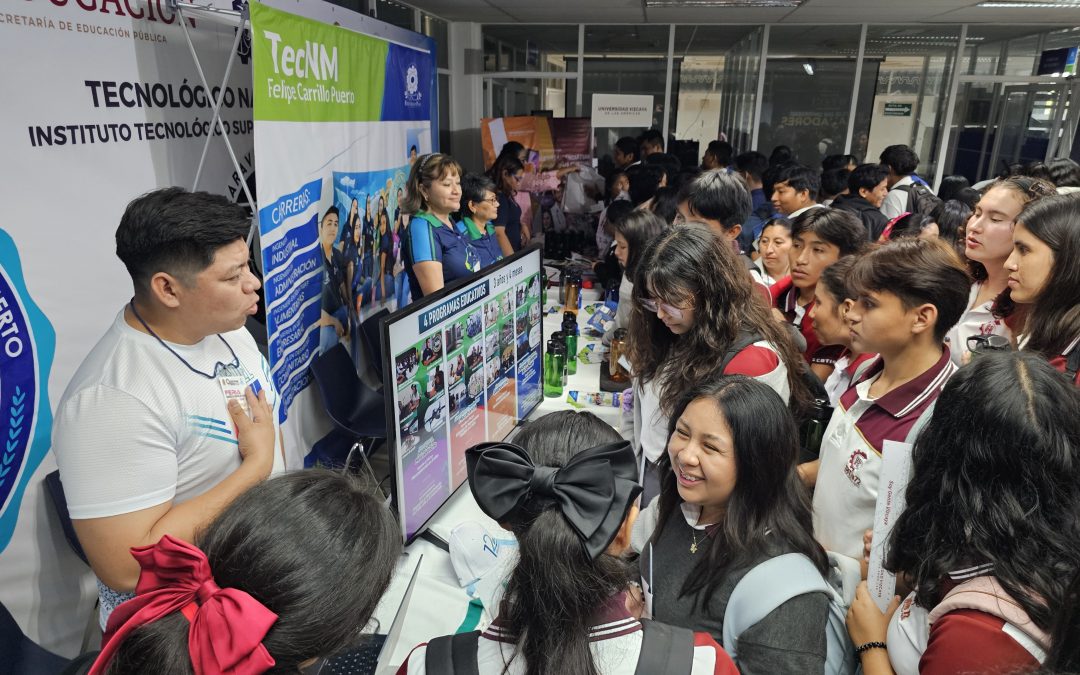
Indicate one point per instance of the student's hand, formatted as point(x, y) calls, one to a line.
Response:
point(865, 622)
point(255, 435)
point(339, 328)
point(867, 542)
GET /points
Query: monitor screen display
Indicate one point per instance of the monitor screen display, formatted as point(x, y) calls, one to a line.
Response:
point(463, 366)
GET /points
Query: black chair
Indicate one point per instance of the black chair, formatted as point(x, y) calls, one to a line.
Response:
point(370, 330)
point(20, 655)
point(357, 411)
point(56, 495)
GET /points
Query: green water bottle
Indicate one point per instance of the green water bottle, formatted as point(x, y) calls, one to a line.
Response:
point(552, 372)
point(570, 330)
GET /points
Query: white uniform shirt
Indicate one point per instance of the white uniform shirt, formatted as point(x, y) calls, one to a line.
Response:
point(136, 428)
point(977, 320)
point(847, 485)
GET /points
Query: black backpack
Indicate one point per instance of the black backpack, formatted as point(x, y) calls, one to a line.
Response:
point(920, 199)
point(809, 378)
point(665, 650)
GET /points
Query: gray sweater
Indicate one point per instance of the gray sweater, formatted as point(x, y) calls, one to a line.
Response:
point(791, 639)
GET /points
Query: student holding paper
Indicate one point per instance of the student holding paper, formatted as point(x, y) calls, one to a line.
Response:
point(988, 538)
point(908, 294)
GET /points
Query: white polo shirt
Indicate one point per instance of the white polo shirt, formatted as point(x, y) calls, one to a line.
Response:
point(847, 485)
point(977, 320)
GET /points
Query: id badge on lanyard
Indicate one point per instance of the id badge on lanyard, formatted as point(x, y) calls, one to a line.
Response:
point(234, 382)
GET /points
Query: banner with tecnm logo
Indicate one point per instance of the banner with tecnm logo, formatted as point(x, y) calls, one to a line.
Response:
point(339, 118)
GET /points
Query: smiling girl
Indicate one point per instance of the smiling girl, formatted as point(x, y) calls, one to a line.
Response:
point(731, 500)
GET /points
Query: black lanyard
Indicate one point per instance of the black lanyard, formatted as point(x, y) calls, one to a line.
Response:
point(235, 362)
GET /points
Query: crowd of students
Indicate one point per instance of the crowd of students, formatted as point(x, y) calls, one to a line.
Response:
point(715, 540)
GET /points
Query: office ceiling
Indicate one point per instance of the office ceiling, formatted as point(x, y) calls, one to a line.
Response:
point(1062, 12)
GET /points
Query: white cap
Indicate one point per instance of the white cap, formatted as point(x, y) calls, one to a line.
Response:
point(474, 552)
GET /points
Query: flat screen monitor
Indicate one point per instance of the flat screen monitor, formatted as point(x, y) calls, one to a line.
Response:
point(463, 366)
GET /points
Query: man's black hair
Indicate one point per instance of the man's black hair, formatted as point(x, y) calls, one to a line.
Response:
point(834, 181)
point(901, 159)
point(653, 137)
point(669, 163)
point(753, 163)
point(720, 196)
point(628, 145)
point(644, 182)
point(722, 151)
point(866, 177)
point(177, 232)
point(837, 162)
point(842, 229)
point(800, 178)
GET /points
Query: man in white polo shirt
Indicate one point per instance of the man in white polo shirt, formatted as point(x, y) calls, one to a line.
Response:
point(909, 293)
point(173, 413)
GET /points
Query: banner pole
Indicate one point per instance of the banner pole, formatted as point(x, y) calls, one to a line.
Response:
point(224, 131)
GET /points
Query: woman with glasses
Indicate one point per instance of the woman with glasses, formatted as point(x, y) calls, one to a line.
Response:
point(480, 206)
point(987, 244)
point(1044, 281)
point(506, 173)
point(696, 315)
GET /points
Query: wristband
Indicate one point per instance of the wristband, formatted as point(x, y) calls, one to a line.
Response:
point(866, 646)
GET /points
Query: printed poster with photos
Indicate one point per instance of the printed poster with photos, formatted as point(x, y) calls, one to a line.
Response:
point(466, 370)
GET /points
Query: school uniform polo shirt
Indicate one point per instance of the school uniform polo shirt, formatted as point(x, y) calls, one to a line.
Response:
point(483, 240)
point(785, 297)
point(430, 240)
point(977, 320)
point(847, 483)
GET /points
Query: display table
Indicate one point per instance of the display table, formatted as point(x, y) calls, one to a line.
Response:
point(438, 605)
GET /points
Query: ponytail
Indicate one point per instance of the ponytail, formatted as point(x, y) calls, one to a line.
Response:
point(553, 593)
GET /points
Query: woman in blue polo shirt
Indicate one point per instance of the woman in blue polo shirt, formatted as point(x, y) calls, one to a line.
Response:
point(435, 252)
point(507, 173)
point(479, 207)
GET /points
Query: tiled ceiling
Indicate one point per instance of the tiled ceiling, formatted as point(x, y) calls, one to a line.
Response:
point(809, 12)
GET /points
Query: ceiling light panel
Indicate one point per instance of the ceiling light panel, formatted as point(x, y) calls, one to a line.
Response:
point(722, 3)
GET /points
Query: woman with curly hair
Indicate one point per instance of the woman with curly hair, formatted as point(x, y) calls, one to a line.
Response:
point(696, 315)
point(988, 538)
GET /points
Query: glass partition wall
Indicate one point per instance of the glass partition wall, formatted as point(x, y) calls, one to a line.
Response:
point(968, 98)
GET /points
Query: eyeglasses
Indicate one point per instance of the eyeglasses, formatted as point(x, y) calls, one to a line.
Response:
point(988, 343)
point(651, 305)
point(491, 200)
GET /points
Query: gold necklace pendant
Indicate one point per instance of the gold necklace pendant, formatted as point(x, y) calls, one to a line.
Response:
point(693, 547)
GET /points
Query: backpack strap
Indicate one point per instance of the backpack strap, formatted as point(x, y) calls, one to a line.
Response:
point(665, 650)
point(1072, 364)
point(453, 654)
point(744, 340)
point(764, 588)
point(921, 422)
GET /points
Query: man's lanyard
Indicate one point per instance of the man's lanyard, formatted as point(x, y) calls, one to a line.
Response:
point(235, 365)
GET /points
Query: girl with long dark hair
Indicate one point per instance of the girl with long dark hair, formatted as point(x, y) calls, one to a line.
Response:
point(693, 303)
point(730, 500)
point(241, 599)
point(567, 491)
point(988, 537)
point(987, 244)
point(1044, 279)
point(632, 231)
point(507, 173)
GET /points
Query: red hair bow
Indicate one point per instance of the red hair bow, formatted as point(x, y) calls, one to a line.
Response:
point(227, 626)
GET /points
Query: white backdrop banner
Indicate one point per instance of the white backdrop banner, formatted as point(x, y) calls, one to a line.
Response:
point(101, 102)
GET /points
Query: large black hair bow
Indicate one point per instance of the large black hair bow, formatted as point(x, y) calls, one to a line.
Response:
point(593, 490)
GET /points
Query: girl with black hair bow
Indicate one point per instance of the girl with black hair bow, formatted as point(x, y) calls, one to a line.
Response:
point(568, 492)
